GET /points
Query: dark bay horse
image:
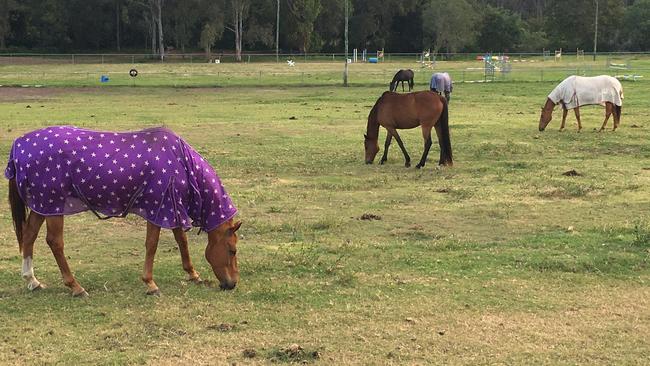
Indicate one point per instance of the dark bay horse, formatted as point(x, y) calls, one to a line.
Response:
point(402, 75)
point(403, 111)
point(576, 91)
point(153, 173)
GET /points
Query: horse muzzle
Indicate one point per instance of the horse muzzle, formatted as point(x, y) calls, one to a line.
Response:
point(227, 285)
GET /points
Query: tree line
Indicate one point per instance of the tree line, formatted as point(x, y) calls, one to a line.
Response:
point(160, 26)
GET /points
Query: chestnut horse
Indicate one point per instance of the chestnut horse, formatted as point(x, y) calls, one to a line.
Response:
point(403, 111)
point(576, 91)
point(402, 75)
point(153, 173)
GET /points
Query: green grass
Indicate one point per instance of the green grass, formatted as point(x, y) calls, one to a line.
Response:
point(500, 259)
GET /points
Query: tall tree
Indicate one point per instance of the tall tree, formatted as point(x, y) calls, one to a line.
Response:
point(500, 30)
point(449, 25)
point(571, 25)
point(6, 7)
point(260, 28)
point(239, 10)
point(328, 25)
point(637, 25)
point(157, 16)
point(304, 14)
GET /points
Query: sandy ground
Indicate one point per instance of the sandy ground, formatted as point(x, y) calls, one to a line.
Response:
point(17, 94)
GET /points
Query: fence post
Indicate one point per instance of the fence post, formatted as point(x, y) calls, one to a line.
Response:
point(102, 59)
point(72, 59)
point(132, 59)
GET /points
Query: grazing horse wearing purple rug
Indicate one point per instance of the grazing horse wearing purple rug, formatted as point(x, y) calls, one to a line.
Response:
point(63, 170)
point(403, 111)
point(576, 91)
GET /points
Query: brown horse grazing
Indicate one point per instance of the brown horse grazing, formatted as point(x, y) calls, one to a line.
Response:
point(576, 91)
point(153, 173)
point(403, 111)
point(402, 75)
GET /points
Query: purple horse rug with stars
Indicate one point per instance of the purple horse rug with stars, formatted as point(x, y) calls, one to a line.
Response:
point(153, 173)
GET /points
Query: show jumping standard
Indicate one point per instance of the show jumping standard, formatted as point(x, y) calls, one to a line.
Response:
point(402, 111)
point(576, 91)
point(402, 75)
point(441, 82)
point(64, 170)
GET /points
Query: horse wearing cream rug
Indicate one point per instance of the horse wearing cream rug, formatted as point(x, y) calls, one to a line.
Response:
point(576, 91)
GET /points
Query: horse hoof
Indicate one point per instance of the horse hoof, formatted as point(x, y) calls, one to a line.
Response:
point(155, 292)
point(38, 287)
point(196, 281)
point(407, 164)
point(418, 166)
point(382, 162)
point(82, 294)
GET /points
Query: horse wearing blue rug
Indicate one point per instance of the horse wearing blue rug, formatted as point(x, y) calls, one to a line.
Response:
point(441, 83)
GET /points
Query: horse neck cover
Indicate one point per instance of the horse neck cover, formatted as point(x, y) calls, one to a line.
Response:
point(576, 91)
point(153, 173)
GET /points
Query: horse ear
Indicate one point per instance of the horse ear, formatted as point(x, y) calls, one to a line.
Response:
point(235, 227)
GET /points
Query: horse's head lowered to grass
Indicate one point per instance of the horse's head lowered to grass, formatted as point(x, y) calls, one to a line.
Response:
point(221, 253)
point(372, 148)
point(546, 115)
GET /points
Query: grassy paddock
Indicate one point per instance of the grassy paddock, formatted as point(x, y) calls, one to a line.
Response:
point(303, 74)
point(500, 259)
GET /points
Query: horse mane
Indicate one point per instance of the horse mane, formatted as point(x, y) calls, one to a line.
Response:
point(373, 124)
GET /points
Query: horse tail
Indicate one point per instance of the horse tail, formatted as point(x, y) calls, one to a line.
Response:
point(18, 212)
point(445, 138)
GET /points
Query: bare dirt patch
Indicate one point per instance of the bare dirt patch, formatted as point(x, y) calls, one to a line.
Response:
point(15, 94)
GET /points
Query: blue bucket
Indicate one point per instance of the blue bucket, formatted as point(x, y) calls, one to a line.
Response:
point(372, 60)
point(103, 79)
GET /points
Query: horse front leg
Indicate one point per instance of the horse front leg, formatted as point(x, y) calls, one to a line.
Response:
point(608, 112)
point(407, 158)
point(426, 134)
point(181, 240)
point(30, 233)
point(564, 113)
point(384, 157)
point(55, 241)
point(576, 110)
point(151, 244)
